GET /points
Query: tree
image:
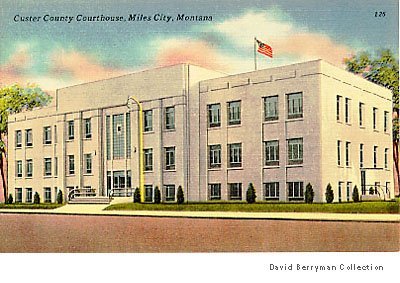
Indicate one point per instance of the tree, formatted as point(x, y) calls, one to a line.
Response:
point(180, 198)
point(10, 199)
point(251, 194)
point(329, 196)
point(157, 195)
point(136, 195)
point(14, 99)
point(356, 195)
point(36, 198)
point(309, 195)
point(383, 70)
point(60, 197)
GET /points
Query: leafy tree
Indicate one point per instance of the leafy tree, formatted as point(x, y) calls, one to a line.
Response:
point(329, 196)
point(14, 99)
point(10, 199)
point(36, 198)
point(251, 194)
point(382, 69)
point(180, 198)
point(309, 195)
point(60, 197)
point(136, 195)
point(356, 195)
point(157, 195)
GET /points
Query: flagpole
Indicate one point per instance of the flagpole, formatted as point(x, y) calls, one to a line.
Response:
point(255, 54)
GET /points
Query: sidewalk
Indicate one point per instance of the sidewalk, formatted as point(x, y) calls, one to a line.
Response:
point(96, 209)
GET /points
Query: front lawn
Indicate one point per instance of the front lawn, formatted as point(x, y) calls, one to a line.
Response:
point(30, 206)
point(360, 207)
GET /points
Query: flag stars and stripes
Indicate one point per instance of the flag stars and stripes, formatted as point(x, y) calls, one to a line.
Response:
point(264, 49)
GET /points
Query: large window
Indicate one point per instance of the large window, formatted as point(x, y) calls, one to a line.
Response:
point(375, 156)
point(18, 195)
point(170, 118)
point(148, 120)
point(148, 159)
point(28, 137)
point(71, 165)
point(375, 118)
point(347, 110)
point(385, 121)
point(295, 151)
point(47, 194)
point(28, 195)
point(271, 191)
point(295, 105)
point(361, 109)
point(108, 138)
point(88, 128)
point(169, 192)
point(118, 136)
point(338, 108)
point(361, 155)
point(386, 158)
point(234, 113)
point(295, 190)
point(214, 191)
point(271, 153)
point(18, 170)
point(88, 163)
point(128, 134)
point(170, 158)
point(235, 155)
point(271, 108)
point(29, 168)
point(348, 154)
point(235, 191)
point(214, 115)
point(71, 130)
point(214, 156)
point(18, 139)
point(47, 166)
point(47, 135)
point(118, 180)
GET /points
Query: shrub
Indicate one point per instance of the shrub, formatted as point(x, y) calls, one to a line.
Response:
point(329, 196)
point(136, 195)
point(355, 196)
point(10, 199)
point(36, 198)
point(180, 198)
point(157, 195)
point(309, 195)
point(60, 197)
point(251, 194)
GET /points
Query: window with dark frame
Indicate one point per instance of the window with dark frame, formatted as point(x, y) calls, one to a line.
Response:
point(295, 105)
point(214, 156)
point(271, 108)
point(234, 113)
point(235, 155)
point(214, 115)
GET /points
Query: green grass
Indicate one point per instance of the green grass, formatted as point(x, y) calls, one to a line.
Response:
point(30, 206)
point(361, 207)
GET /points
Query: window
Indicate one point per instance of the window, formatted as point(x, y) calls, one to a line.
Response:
point(128, 179)
point(385, 121)
point(71, 165)
point(347, 110)
point(148, 193)
point(214, 115)
point(28, 137)
point(339, 150)
point(118, 137)
point(347, 154)
point(375, 156)
point(234, 113)
point(118, 180)
point(18, 195)
point(169, 192)
point(88, 128)
point(235, 191)
point(348, 189)
point(29, 168)
point(214, 191)
point(128, 134)
point(295, 105)
point(47, 135)
point(18, 139)
point(47, 167)
point(296, 191)
point(340, 185)
point(28, 195)
point(215, 156)
point(295, 151)
point(170, 118)
point(55, 134)
point(338, 108)
point(361, 110)
point(148, 159)
point(55, 166)
point(71, 130)
point(47, 194)
point(271, 191)
point(377, 186)
point(271, 108)
point(361, 155)
point(271, 153)
point(88, 163)
point(19, 169)
point(235, 155)
point(108, 138)
point(386, 158)
point(170, 158)
point(148, 120)
point(375, 118)
point(108, 183)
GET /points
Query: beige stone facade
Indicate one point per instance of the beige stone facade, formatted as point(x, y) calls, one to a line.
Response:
point(212, 134)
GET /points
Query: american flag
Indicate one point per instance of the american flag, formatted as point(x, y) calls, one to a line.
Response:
point(264, 48)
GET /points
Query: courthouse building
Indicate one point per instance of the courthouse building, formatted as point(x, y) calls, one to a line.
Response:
point(212, 134)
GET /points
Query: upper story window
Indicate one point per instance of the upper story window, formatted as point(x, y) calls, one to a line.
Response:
point(88, 163)
point(375, 156)
point(234, 113)
point(386, 121)
point(347, 110)
point(88, 128)
point(170, 158)
point(361, 155)
point(214, 115)
point(214, 156)
point(148, 159)
point(170, 118)
point(71, 165)
point(271, 108)
point(375, 118)
point(148, 120)
point(348, 154)
point(29, 168)
point(28, 137)
point(361, 109)
point(386, 158)
point(19, 169)
point(47, 135)
point(235, 155)
point(295, 151)
point(339, 151)
point(118, 137)
point(71, 130)
point(47, 167)
point(271, 153)
point(338, 108)
point(18, 139)
point(295, 105)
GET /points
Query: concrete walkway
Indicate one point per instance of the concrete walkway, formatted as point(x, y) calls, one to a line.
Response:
point(98, 209)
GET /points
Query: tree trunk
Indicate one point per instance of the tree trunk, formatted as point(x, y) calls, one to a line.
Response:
point(396, 165)
point(3, 176)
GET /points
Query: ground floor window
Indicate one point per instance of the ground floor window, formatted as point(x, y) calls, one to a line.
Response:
point(340, 184)
point(28, 195)
point(214, 191)
point(271, 191)
point(148, 193)
point(348, 189)
point(295, 190)
point(169, 192)
point(235, 191)
point(18, 195)
point(47, 194)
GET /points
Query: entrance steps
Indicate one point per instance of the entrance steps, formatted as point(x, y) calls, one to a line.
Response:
point(90, 200)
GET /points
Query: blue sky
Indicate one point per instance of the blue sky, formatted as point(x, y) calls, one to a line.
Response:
point(56, 54)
